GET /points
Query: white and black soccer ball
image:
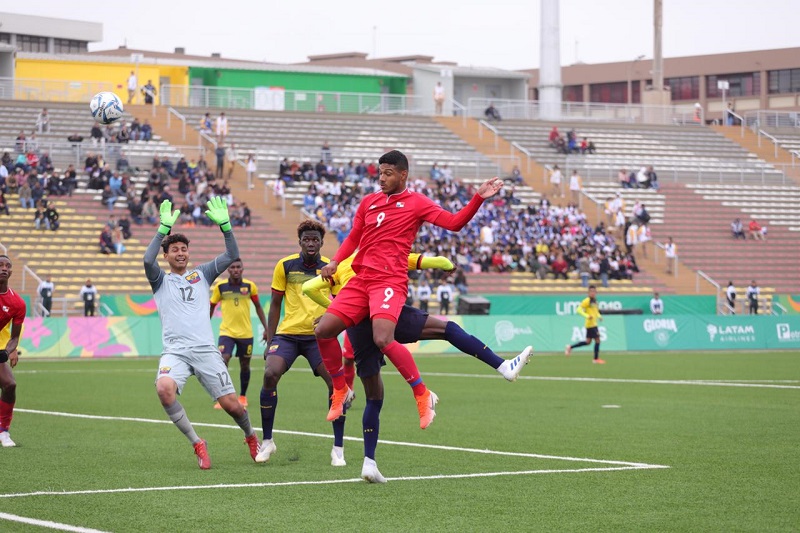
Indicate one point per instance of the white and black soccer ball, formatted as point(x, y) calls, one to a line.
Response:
point(106, 107)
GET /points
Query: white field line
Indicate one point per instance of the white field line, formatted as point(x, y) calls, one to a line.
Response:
point(319, 482)
point(46, 523)
point(756, 383)
point(327, 436)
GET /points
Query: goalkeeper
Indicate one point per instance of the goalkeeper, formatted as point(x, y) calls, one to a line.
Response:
point(182, 297)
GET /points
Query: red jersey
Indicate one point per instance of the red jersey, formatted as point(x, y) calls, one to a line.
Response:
point(12, 308)
point(384, 228)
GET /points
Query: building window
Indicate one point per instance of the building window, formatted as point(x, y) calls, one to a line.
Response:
point(5, 38)
point(687, 88)
point(745, 84)
point(572, 93)
point(615, 93)
point(784, 81)
point(68, 46)
point(31, 43)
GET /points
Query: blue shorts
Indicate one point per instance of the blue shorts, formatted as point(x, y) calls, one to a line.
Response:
point(290, 347)
point(244, 347)
point(369, 359)
point(593, 333)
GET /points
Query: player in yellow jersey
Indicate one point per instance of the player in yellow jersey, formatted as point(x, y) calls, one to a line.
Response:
point(294, 335)
point(591, 312)
point(236, 330)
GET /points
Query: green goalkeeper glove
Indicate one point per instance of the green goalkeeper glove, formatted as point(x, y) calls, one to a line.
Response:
point(218, 213)
point(168, 218)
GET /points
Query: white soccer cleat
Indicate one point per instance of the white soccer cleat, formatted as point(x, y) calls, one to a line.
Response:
point(266, 449)
point(337, 456)
point(370, 472)
point(511, 368)
point(568, 350)
point(349, 400)
point(5, 440)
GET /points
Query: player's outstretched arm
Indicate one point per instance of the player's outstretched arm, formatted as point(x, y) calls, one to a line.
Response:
point(421, 262)
point(167, 219)
point(456, 221)
point(313, 289)
point(490, 187)
point(218, 213)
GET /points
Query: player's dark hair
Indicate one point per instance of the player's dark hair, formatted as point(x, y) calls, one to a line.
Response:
point(172, 239)
point(592, 287)
point(239, 260)
point(310, 225)
point(395, 158)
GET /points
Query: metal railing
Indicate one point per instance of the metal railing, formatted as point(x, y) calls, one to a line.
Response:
point(771, 119)
point(483, 124)
point(774, 140)
point(700, 275)
point(729, 172)
point(590, 111)
point(524, 151)
point(28, 273)
point(171, 111)
point(51, 90)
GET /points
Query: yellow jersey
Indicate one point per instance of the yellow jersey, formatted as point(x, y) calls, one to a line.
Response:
point(235, 307)
point(299, 311)
point(590, 311)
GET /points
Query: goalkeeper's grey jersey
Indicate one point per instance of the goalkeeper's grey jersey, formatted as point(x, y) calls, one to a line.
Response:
point(183, 300)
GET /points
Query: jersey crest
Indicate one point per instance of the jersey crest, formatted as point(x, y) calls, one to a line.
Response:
point(193, 278)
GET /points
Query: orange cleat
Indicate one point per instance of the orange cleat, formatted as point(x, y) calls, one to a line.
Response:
point(243, 401)
point(598, 361)
point(201, 451)
point(338, 399)
point(252, 444)
point(217, 405)
point(426, 405)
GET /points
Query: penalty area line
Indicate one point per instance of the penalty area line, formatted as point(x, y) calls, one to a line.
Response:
point(320, 482)
point(328, 437)
point(47, 523)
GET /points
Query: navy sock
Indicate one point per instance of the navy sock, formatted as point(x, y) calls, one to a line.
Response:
point(269, 402)
point(597, 350)
point(469, 344)
point(371, 421)
point(579, 344)
point(244, 379)
point(338, 428)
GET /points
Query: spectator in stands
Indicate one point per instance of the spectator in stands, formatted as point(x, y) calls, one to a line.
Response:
point(150, 211)
point(604, 270)
point(25, 198)
point(444, 294)
point(656, 304)
point(737, 229)
point(730, 297)
point(460, 281)
point(587, 146)
point(438, 98)
point(89, 296)
point(205, 123)
point(231, 156)
point(671, 253)
point(652, 177)
point(51, 213)
point(146, 131)
point(757, 232)
point(4, 203)
point(553, 137)
point(753, 293)
point(43, 122)
point(9, 182)
point(40, 221)
point(622, 178)
point(37, 192)
point(96, 133)
point(644, 236)
point(516, 175)
point(123, 135)
point(642, 179)
point(559, 267)
point(221, 128)
point(108, 198)
point(135, 129)
point(251, 167)
point(220, 153)
point(70, 179)
point(575, 187)
point(491, 113)
point(20, 143)
point(555, 182)
point(149, 92)
point(75, 139)
point(325, 153)
point(118, 240)
point(106, 241)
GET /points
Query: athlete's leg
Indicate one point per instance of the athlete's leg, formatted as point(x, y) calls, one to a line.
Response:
point(274, 368)
point(8, 397)
point(167, 390)
point(401, 358)
point(455, 335)
point(326, 332)
point(349, 362)
point(338, 423)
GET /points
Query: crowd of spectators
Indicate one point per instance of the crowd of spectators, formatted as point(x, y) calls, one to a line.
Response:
point(645, 178)
point(570, 144)
point(754, 230)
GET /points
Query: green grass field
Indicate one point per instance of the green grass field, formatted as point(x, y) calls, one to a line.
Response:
point(647, 442)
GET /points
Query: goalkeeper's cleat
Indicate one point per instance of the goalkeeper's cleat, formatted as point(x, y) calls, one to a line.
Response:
point(370, 472)
point(252, 445)
point(426, 405)
point(510, 369)
point(266, 449)
point(243, 401)
point(337, 456)
point(217, 405)
point(5, 439)
point(201, 451)
point(568, 350)
point(598, 361)
point(338, 399)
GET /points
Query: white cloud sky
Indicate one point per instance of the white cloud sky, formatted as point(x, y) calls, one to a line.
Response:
point(501, 33)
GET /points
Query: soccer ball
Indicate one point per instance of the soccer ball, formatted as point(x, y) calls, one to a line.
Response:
point(106, 107)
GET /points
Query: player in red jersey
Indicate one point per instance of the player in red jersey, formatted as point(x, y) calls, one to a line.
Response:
point(384, 228)
point(12, 309)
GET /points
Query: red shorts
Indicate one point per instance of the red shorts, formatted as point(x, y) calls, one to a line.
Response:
point(347, 350)
point(375, 298)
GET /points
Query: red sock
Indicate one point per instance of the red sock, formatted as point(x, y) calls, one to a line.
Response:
point(349, 362)
point(6, 414)
point(332, 359)
point(402, 359)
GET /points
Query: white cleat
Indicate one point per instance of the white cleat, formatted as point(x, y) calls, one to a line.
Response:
point(349, 400)
point(337, 456)
point(511, 368)
point(5, 440)
point(370, 472)
point(266, 449)
point(567, 350)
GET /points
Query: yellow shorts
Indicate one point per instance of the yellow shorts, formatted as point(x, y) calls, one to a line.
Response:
point(5, 335)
